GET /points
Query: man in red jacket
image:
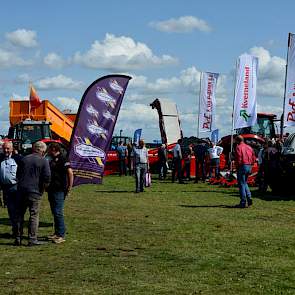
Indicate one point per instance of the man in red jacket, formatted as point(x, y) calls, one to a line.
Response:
point(244, 159)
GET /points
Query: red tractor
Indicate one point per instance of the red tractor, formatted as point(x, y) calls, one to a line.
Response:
point(256, 135)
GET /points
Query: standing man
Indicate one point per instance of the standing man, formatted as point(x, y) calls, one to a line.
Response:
point(34, 179)
point(122, 154)
point(9, 164)
point(129, 158)
point(162, 155)
point(200, 152)
point(177, 157)
point(61, 183)
point(244, 159)
point(141, 165)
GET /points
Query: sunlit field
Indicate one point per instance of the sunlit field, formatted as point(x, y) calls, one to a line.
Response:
point(171, 239)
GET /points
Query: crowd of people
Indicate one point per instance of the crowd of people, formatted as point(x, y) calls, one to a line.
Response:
point(207, 163)
point(24, 180)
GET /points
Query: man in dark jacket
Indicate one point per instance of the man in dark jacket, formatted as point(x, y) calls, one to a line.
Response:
point(162, 155)
point(200, 152)
point(34, 177)
point(122, 155)
point(9, 163)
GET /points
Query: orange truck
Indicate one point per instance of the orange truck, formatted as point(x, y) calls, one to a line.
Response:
point(45, 122)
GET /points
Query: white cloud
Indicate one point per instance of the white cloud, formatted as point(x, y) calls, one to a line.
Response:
point(23, 78)
point(138, 112)
point(187, 81)
point(184, 90)
point(67, 103)
point(137, 115)
point(190, 77)
point(10, 58)
point(271, 73)
point(23, 38)
point(16, 96)
point(136, 97)
point(182, 24)
point(53, 60)
point(120, 53)
point(270, 109)
point(59, 82)
point(4, 115)
point(157, 87)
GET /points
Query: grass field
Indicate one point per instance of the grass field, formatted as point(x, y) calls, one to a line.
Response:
point(172, 239)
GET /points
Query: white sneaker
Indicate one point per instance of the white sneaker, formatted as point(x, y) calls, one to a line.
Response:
point(58, 240)
point(52, 237)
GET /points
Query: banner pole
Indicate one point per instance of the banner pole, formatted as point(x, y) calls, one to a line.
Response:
point(283, 114)
point(30, 87)
point(198, 133)
point(232, 126)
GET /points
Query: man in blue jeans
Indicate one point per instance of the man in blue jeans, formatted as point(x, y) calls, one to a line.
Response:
point(60, 186)
point(244, 159)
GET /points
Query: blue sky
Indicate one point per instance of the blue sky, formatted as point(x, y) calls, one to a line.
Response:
point(62, 46)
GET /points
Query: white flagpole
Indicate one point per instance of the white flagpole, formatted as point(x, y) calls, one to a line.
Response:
point(283, 115)
point(232, 126)
point(198, 133)
point(30, 86)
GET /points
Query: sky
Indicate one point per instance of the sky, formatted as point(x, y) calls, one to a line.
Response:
point(61, 47)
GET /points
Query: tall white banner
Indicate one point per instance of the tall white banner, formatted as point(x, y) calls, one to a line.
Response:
point(245, 109)
point(207, 101)
point(289, 107)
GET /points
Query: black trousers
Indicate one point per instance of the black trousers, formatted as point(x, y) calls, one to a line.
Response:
point(176, 169)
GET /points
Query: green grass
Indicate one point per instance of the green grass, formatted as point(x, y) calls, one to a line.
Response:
point(173, 239)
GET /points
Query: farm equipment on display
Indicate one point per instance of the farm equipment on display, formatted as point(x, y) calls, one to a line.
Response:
point(48, 124)
point(45, 123)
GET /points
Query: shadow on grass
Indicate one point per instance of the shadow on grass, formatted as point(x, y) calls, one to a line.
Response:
point(189, 191)
point(6, 221)
point(268, 196)
point(210, 206)
point(114, 191)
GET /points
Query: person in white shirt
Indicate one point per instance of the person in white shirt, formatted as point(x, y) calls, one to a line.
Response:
point(9, 163)
point(177, 157)
point(141, 165)
point(214, 154)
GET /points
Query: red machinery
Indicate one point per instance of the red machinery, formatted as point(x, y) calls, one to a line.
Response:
point(255, 136)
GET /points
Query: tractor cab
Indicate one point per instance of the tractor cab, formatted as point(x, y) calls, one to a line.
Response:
point(25, 133)
point(264, 127)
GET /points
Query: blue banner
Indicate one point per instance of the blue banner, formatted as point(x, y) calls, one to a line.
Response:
point(214, 135)
point(94, 126)
point(137, 136)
